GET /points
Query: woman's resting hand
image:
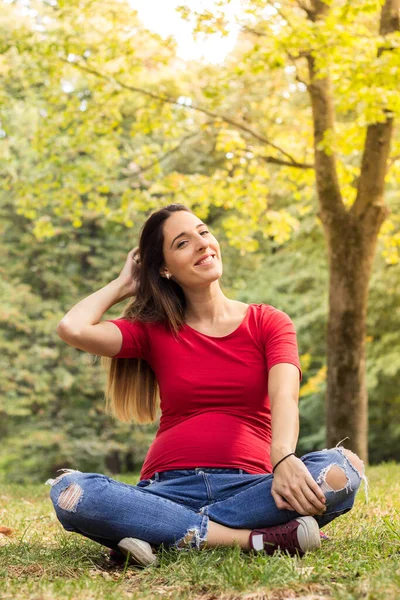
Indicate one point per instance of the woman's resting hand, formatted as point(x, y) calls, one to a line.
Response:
point(293, 488)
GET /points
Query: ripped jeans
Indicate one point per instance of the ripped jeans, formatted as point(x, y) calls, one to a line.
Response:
point(171, 504)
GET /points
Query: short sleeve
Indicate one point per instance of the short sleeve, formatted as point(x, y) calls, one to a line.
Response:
point(280, 339)
point(135, 341)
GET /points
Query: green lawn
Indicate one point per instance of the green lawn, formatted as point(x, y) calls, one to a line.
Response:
point(361, 560)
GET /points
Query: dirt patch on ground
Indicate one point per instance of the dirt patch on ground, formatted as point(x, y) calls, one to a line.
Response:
point(34, 570)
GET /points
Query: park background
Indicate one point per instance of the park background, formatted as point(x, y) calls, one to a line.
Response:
point(106, 116)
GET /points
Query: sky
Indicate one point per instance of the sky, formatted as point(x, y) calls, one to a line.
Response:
point(160, 16)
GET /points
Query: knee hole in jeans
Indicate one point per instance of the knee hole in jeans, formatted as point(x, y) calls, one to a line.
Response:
point(69, 498)
point(336, 478)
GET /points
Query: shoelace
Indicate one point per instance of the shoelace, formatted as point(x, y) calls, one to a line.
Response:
point(281, 538)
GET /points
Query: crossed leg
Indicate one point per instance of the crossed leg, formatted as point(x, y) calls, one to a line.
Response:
point(226, 536)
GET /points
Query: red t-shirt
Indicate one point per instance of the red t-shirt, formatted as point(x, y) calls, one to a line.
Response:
point(215, 410)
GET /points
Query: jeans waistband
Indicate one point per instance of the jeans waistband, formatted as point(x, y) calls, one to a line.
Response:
point(160, 475)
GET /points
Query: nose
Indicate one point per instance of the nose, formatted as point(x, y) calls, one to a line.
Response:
point(203, 242)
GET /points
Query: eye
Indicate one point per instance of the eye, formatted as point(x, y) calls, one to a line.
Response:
point(184, 242)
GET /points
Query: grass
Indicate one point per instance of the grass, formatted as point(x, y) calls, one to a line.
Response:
point(361, 560)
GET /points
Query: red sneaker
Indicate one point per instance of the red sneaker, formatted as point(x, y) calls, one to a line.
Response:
point(296, 537)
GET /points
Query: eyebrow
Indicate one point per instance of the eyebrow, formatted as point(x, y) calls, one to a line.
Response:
point(184, 233)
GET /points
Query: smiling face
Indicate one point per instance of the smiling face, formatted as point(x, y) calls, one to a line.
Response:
point(186, 241)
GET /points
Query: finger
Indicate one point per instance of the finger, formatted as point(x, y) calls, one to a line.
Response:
point(277, 499)
point(311, 505)
point(313, 485)
point(280, 501)
point(313, 499)
point(300, 503)
point(285, 504)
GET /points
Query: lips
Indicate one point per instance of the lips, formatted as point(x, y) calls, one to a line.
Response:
point(204, 258)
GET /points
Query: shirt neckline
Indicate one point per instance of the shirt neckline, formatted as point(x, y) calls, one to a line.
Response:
point(222, 337)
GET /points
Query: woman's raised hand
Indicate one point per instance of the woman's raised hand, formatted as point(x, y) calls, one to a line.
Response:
point(130, 273)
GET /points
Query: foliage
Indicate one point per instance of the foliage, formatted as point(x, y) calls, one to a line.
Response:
point(105, 104)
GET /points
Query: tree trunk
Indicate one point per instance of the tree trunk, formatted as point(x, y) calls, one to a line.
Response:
point(351, 247)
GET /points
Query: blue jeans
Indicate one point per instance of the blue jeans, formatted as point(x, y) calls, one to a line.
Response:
point(169, 505)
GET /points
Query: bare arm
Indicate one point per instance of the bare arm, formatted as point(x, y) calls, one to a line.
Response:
point(283, 382)
point(283, 391)
point(90, 310)
point(81, 326)
point(293, 487)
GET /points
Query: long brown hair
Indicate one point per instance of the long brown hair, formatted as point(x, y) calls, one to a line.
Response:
point(132, 392)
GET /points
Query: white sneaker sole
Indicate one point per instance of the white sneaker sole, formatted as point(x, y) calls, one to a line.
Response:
point(140, 551)
point(308, 534)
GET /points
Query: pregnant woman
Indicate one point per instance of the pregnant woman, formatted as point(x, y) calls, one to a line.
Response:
point(222, 469)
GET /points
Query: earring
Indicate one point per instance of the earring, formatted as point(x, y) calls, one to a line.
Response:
point(168, 275)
